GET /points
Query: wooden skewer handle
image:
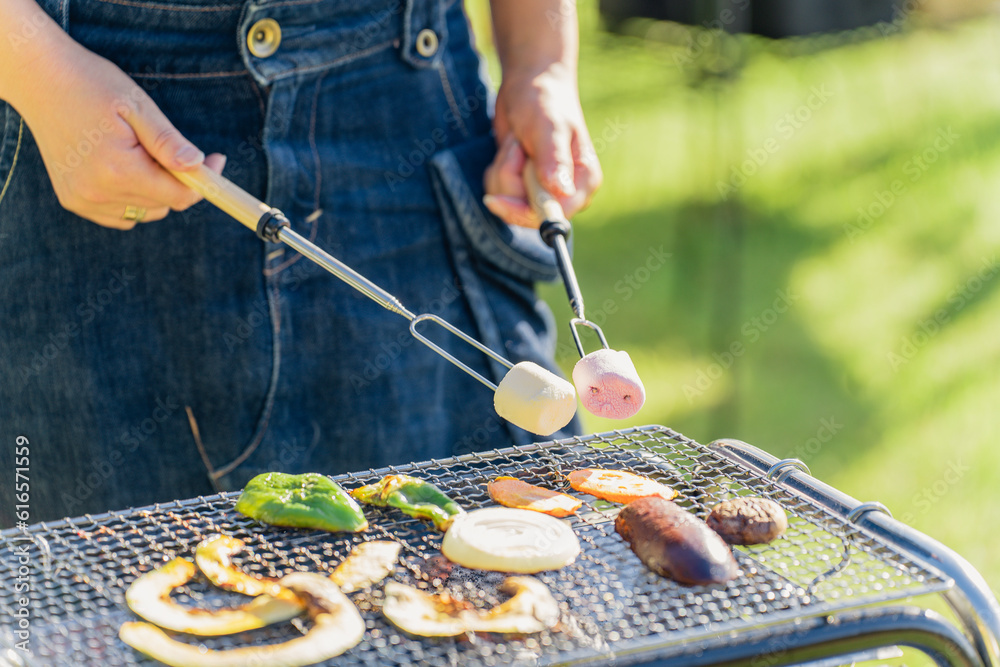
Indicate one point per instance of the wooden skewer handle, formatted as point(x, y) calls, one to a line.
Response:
point(225, 194)
point(545, 205)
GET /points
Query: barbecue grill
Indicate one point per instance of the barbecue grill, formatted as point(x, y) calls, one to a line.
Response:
point(846, 580)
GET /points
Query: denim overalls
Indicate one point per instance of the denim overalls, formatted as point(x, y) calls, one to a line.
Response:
point(186, 356)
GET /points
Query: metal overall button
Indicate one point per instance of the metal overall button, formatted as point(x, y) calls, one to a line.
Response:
point(427, 42)
point(264, 38)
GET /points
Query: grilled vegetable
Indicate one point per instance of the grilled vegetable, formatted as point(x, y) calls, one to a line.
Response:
point(149, 597)
point(674, 543)
point(337, 627)
point(510, 540)
point(310, 500)
point(413, 496)
point(617, 485)
point(422, 614)
point(531, 609)
point(748, 520)
point(214, 558)
point(368, 564)
point(512, 492)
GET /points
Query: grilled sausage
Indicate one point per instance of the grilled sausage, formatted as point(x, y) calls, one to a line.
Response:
point(748, 520)
point(675, 543)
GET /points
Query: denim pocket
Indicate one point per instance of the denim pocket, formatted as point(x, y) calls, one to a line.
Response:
point(11, 136)
point(457, 174)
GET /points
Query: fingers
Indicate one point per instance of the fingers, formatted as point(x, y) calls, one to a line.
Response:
point(506, 196)
point(160, 147)
point(216, 162)
point(503, 176)
point(587, 173)
point(115, 216)
point(159, 137)
point(512, 210)
point(551, 151)
point(504, 182)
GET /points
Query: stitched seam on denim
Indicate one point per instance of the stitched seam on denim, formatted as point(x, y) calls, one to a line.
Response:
point(13, 163)
point(464, 201)
point(272, 390)
point(290, 3)
point(336, 61)
point(446, 84)
point(196, 435)
point(260, 98)
point(192, 75)
point(170, 8)
point(63, 13)
point(288, 262)
point(317, 164)
point(502, 245)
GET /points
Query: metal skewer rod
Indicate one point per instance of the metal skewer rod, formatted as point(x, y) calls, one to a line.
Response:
point(311, 251)
point(271, 225)
point(554, 230)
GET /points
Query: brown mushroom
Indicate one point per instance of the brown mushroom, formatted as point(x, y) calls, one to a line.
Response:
point(748, 520)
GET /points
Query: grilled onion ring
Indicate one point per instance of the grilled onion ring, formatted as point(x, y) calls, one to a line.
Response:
point(213, 557)
point(510, 540)
point(149, 597)
point(531, 609)
point(366, 565)
point(337, 627)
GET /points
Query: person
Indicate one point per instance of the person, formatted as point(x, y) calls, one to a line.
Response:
point(185, 356)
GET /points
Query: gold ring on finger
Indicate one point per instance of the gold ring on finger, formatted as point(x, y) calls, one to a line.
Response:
point(134, 213)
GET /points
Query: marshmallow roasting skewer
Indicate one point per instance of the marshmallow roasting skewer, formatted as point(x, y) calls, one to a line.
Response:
point(528, 396)
point(606, 379)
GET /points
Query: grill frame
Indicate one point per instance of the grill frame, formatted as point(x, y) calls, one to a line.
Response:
point(693, 468)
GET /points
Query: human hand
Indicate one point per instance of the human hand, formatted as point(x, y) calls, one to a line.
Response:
point(105, 143)
point(538, 116)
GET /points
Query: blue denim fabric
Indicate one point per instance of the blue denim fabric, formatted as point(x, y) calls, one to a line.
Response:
point(115, 348)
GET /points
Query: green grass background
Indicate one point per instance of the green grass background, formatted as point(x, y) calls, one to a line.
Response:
point(892, 341)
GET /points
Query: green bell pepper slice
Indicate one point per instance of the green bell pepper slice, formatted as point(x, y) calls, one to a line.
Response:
point(309, 500)
point(413, 496)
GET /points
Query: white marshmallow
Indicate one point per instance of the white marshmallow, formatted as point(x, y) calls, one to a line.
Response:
point(535, 399)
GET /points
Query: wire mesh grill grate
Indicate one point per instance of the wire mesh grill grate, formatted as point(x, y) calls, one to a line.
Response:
point(611, 604)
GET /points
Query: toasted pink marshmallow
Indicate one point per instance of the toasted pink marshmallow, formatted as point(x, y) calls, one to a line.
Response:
point(608, 384)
